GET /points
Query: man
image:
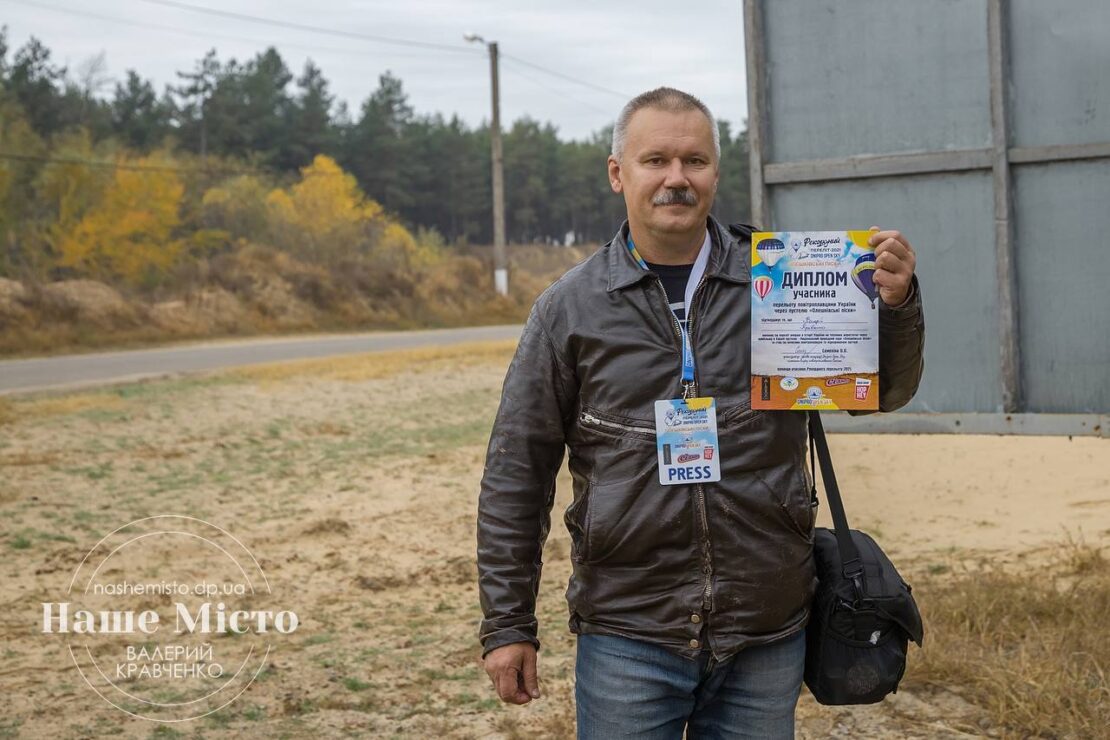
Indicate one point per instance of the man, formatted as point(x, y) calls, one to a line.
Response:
point(689, 601)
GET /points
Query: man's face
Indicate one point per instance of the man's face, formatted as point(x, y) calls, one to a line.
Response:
point(668, 172)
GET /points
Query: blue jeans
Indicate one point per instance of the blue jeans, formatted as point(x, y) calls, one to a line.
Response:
point(630, 688)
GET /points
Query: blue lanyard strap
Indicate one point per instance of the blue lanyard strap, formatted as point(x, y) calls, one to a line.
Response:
point(635, 253)
point(687, 350)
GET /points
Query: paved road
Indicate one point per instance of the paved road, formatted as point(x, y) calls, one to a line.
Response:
point(75, 371)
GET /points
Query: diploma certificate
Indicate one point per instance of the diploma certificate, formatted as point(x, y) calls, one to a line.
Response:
point(815, 321)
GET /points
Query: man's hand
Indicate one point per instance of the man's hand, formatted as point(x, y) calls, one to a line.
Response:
point(512, 668)
point(894, 264)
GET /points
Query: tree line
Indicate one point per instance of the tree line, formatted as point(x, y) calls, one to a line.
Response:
point(75, 155)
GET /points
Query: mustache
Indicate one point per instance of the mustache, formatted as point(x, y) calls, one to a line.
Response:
point(676, 196)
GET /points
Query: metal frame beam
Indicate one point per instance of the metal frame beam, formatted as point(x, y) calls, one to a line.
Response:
point(1058, 153)
point(757, 112)
point(922, 163)
point(876, 165)
point(1005, 259)
point(1072, 425)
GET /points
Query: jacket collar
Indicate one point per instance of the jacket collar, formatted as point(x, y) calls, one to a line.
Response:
point(728, 260)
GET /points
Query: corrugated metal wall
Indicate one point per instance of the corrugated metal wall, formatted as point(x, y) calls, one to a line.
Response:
point(981, 128)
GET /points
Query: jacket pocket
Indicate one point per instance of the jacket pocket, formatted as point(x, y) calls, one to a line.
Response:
point(618, 449)
point(627, 517)
point(633, 521)
point(789, 490)
point(801, 504)
point(575, 517)
point(737, 417)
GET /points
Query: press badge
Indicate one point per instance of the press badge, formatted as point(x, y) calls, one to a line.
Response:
point(686, 440)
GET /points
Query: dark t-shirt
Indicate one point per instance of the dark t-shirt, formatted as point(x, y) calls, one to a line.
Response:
point(674, 279)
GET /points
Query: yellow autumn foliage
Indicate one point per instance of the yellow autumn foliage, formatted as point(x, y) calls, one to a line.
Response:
point(325, 215)
point(128, 234)
point(69, 186)
point(399, 248)
point(238, 206)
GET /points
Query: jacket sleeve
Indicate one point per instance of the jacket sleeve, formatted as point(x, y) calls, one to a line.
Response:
point(525, 451)
point(901, 351)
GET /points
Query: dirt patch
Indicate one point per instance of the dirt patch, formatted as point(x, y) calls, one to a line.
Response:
point(329, 526)
point(364, 521)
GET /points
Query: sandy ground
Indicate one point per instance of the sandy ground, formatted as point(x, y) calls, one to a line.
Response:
point(363, 519)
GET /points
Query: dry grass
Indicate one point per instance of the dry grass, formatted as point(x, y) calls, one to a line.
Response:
point(1031, 646)
point(61, 405)
point(377, 365)
point(70, 404)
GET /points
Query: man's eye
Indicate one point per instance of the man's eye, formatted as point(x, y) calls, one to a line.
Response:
point(655, 160)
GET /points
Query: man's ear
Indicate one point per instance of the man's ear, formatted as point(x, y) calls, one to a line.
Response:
point(615, 175)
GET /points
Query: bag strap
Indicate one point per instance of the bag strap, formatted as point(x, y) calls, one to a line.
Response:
point(849, 554)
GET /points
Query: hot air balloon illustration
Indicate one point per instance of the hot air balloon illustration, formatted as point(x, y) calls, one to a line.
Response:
point(762, 280)
point(763, 285)
point(862, 275)
point(770, 250)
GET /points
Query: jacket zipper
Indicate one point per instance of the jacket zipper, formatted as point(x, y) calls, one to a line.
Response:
point(707, 594)
point(591, 419)
point(691, 391)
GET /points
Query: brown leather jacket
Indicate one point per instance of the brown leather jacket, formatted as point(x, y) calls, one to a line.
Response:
point(652, 562)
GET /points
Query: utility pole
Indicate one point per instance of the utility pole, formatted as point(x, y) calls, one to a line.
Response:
point(500, 260)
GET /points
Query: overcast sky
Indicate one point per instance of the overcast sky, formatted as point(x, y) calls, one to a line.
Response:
point(623, 45)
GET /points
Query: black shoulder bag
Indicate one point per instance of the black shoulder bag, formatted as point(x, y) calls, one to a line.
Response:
point(863, 613)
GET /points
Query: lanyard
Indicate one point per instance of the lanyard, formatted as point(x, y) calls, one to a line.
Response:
point(696, 273)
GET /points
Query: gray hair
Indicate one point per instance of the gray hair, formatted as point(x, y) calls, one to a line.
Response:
point(664, 98)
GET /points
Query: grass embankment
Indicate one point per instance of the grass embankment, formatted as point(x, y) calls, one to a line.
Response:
point(257, 291)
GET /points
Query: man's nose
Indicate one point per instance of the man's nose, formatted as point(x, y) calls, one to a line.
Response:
point(676, 175)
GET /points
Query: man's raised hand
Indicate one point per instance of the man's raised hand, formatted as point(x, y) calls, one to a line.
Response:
point(895, 262)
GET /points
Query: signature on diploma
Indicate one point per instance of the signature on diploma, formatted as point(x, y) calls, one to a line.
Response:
point(811, 324)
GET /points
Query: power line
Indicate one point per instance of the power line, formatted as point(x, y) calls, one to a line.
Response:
point(426, 45)
point(312, 29)
point(132, 166)
point(560, 75)
point(555, 90)
point(369, 37)
point(187, 32)
point(136, 167)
